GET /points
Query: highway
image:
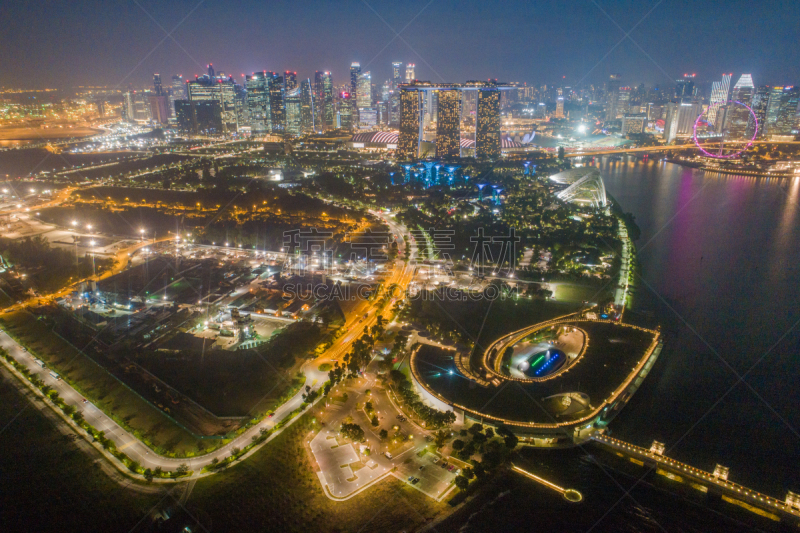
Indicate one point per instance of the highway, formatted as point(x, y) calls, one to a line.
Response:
point(139, 452)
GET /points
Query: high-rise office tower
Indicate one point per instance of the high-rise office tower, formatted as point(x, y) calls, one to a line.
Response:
point(327, 101)
point(158, 89)
point(177, 91)
point(307, 105)
point(487, 130)
point(220, 90)
point(364, 90)
point(612, 96)
point(290, 80)
point(277, 106)
point(760, 102)
point(394, 108)
point(719, 97)
point(258, 107)
point(684, 88)
point(319, 101)
point(355, 72)
point(346, 105)
point(624, 101)
point(410, 72)
point(386, 89)
point(159, 104)
point(294, 112)
point(448, 124)
point(397, 77)
point(671, 121)
point(559, 103)
point(410, 133)
point(210, 70)
point(782, 110)
point(200, 116)
point(738, 116)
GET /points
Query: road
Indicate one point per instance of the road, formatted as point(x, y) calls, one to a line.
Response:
point(139, 452)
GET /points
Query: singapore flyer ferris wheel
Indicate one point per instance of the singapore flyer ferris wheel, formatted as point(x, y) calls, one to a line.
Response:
point(717, 142)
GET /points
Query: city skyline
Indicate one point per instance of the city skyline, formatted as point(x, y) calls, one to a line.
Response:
point(542, 44)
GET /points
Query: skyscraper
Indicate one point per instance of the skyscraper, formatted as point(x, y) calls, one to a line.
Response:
point(290, 80)
point(448, 124)
point(177, 91)
point(397, 77)
point(364, 90)
point(560, 103)
point(355, 72)
point(684, 88)
point(487, 130)
point(277, 105)
point(294, 112)
point(738, 116)
point(220, 90)
point(159, 105)
point(319, 101)
point(307, 105)
point(346, 105)
point(719, 97)
point(410, 72)
point(327, 100)
point(612, 96)
point(782, 110)
point(410, 134)
point(258, 102)
point(210, 70)
point(760, 101)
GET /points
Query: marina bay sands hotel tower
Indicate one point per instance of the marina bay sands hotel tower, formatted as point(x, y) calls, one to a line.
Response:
point(448, 119)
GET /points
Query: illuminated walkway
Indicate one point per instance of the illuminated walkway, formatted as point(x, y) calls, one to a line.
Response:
point(716, 480)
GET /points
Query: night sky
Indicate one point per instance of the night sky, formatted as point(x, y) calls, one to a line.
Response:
point(63, 43)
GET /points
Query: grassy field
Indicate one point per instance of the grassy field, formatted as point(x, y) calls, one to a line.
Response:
point(277, 490)
point(103, 389)
point(573, 292)
point(51, 485)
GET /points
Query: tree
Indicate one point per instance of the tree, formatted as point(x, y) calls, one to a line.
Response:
point(182, 469)
point(475, 428)
point(462, 482)
point(440, 438)
point(352, 432)
point(489, 433)
point(368, 407)
point(561, 152)
point(511, 441)
point(458, 444)
point(383, 434)
point(157, 471)
point(148, 475)
point(375, 422)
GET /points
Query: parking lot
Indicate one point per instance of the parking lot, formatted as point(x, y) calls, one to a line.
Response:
point(433, 479)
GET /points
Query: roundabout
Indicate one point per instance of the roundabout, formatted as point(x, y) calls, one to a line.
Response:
point(552, 383)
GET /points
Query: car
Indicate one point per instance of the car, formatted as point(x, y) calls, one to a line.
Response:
point(271, 415)
point(444, 464)
point(84, 400)
point(435, 460)
point(410, 479)
point(450, 468)
point(423, 466)
point(415, 481)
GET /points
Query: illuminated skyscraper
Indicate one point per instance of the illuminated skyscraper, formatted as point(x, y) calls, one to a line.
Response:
point(364, 90)
point(719, 97)
point(782, 110)
point(319, 101)
point(277, 106)
point(410, 133)
point(290, 80)
point(559, 103)
point(294, 112)
point(327, 101)
point(410, 72)
point(448, 124)
point(355, 72)
point(738, 116)
point(346, 105)
point(612, 96)
point(220, 90)
point(487, 130)
point(760, 102)
point(307, 106)
point(177, 91)
point(397, 77)
point(258, 108)
point(684, 88)
point(159, 105)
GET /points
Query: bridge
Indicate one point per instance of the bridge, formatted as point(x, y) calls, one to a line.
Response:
point(652, 149)
point(717, 480)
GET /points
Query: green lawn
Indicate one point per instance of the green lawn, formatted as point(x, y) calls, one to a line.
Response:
point(51, 484)
point(101, 388)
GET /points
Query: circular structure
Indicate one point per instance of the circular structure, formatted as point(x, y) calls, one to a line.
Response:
point(571, 375)
point(572, 495)
point(720, 155)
